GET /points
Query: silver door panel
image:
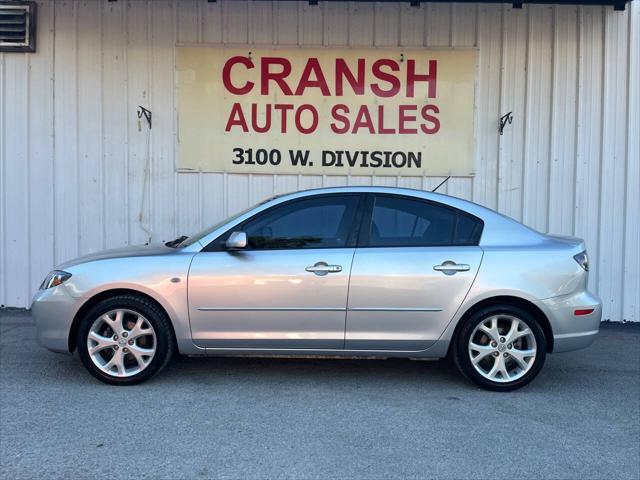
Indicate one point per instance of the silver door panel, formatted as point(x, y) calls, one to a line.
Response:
point(397, 301)
point(267, 298)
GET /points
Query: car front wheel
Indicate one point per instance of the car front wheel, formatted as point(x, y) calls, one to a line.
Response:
point(125, 340)
point(500, 348)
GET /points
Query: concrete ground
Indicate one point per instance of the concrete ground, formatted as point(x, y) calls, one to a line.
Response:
point(292, 418)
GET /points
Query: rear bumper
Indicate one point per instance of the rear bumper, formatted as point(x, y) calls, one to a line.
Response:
point(53, 311)
point(570, 331)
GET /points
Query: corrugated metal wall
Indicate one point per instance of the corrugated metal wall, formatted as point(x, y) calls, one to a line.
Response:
point(73, 160)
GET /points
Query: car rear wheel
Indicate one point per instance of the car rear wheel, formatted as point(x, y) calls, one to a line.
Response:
point(500, 347)
point(125, 340)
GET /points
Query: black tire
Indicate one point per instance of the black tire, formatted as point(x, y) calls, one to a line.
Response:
point(165, 340)
point(462, 359)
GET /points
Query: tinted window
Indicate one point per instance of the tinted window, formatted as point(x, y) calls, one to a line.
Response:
point(324, 222)
point(468, 230)
point(399, 221)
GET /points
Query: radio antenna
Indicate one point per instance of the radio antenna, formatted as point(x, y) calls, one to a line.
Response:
point(441, 183)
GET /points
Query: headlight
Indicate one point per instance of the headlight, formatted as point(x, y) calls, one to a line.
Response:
point(54, 279)
point(582, 260)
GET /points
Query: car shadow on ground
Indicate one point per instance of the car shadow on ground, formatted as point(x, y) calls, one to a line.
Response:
point(183, 370)
point(350, 373)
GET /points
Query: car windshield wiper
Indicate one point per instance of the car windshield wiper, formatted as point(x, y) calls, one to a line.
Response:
point(177, 241)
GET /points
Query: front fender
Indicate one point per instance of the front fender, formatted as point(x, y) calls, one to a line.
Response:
point(162, 278)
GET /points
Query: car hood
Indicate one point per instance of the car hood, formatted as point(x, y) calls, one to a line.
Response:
point(132, 251)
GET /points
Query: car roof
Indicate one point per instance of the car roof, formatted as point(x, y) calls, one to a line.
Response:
point(411, 192)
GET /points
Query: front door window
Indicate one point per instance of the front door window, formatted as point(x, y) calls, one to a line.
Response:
point(325, 222)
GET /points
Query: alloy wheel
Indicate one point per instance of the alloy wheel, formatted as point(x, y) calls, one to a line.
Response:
point(121, 343)
point(502, 348)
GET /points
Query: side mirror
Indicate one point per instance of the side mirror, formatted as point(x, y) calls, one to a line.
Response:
point(237, 240)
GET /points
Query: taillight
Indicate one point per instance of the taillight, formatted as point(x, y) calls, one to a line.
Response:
point(582, 260)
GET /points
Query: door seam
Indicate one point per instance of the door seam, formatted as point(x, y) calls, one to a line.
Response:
point(346, 307)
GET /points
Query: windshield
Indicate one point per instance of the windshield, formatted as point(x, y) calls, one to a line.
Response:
point(203, 233)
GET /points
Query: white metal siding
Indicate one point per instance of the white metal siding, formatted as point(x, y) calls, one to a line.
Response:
point(73, 161)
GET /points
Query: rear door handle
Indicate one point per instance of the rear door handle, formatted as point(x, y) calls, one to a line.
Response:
point(322, 268)
point(451, 268)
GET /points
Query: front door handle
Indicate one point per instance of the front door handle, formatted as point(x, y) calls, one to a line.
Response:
point(322, 268)
point(450, 268)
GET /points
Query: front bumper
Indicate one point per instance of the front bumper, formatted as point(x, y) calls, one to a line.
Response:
point(571, 332)
point(53, 311)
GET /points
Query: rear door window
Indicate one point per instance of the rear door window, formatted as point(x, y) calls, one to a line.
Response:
point(404, 222)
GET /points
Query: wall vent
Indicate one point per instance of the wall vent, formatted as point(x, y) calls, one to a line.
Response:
point(17, 26)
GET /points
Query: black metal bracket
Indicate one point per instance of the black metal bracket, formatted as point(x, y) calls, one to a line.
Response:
point(143, 112)
point(507, 118)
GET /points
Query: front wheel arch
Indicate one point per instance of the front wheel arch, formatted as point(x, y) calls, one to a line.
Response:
point(526, 305)
point(99, 297)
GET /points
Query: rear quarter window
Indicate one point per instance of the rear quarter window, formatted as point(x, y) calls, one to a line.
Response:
point(468, 230)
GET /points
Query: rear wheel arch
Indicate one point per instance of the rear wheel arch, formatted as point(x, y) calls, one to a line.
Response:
point(99, 297)
point(522, 303)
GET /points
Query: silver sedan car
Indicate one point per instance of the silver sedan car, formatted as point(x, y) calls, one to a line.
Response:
point(353, 271)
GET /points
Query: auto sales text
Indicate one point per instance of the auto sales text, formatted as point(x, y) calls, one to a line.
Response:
point(270, 77)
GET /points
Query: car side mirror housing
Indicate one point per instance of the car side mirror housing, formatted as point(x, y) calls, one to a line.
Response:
point(237, 240)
